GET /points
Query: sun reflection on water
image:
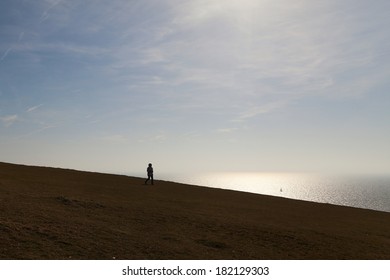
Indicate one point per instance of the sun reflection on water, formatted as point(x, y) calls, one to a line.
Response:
point(371, 192)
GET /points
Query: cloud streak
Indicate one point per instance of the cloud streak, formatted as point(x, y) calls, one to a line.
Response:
point(9, 120)
point(31, 109)
point(5, 54)
point(46, 13)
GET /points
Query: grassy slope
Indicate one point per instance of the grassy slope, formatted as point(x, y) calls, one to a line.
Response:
point(48, 213)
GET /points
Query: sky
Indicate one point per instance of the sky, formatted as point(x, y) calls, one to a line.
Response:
point(196, 85)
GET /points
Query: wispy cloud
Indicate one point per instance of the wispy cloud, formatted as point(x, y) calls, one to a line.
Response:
point(31, 109)
point(207, 50)
point(52, 5)
point(61, 47)
point(265, 108)
point(9, 120)
point(300, 51)
point(5, 54)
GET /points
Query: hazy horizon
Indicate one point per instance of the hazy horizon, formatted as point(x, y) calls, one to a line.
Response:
point(196, 86)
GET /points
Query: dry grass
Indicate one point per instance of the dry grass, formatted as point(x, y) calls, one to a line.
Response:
point(48, 213)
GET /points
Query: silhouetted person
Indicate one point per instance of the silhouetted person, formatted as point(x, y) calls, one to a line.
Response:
point(149, 170)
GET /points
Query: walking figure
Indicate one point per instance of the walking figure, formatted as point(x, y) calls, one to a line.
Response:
point(149, 170)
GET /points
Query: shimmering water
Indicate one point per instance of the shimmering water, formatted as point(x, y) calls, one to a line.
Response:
point(371, 192)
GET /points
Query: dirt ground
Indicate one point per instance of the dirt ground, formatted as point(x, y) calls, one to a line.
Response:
point(49, 213)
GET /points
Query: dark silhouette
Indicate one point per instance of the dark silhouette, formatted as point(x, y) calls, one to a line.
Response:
point(149, 170)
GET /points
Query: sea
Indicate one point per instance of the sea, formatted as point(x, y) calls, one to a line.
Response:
point(360, 191)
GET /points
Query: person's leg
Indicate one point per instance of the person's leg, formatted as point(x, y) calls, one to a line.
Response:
point(151, 176)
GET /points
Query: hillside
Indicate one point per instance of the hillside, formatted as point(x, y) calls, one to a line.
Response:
point(50, 213)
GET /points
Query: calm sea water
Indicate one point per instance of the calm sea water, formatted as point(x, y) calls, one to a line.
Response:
point(370, 192)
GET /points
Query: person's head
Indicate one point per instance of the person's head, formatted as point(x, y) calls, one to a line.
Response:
point(150, 165)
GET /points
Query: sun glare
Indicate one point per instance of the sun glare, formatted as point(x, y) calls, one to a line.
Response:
point(242, 6)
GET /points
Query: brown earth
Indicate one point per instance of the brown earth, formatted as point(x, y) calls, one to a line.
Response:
point(49, 213)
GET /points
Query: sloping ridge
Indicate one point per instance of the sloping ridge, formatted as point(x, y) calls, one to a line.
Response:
point(52, 213)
